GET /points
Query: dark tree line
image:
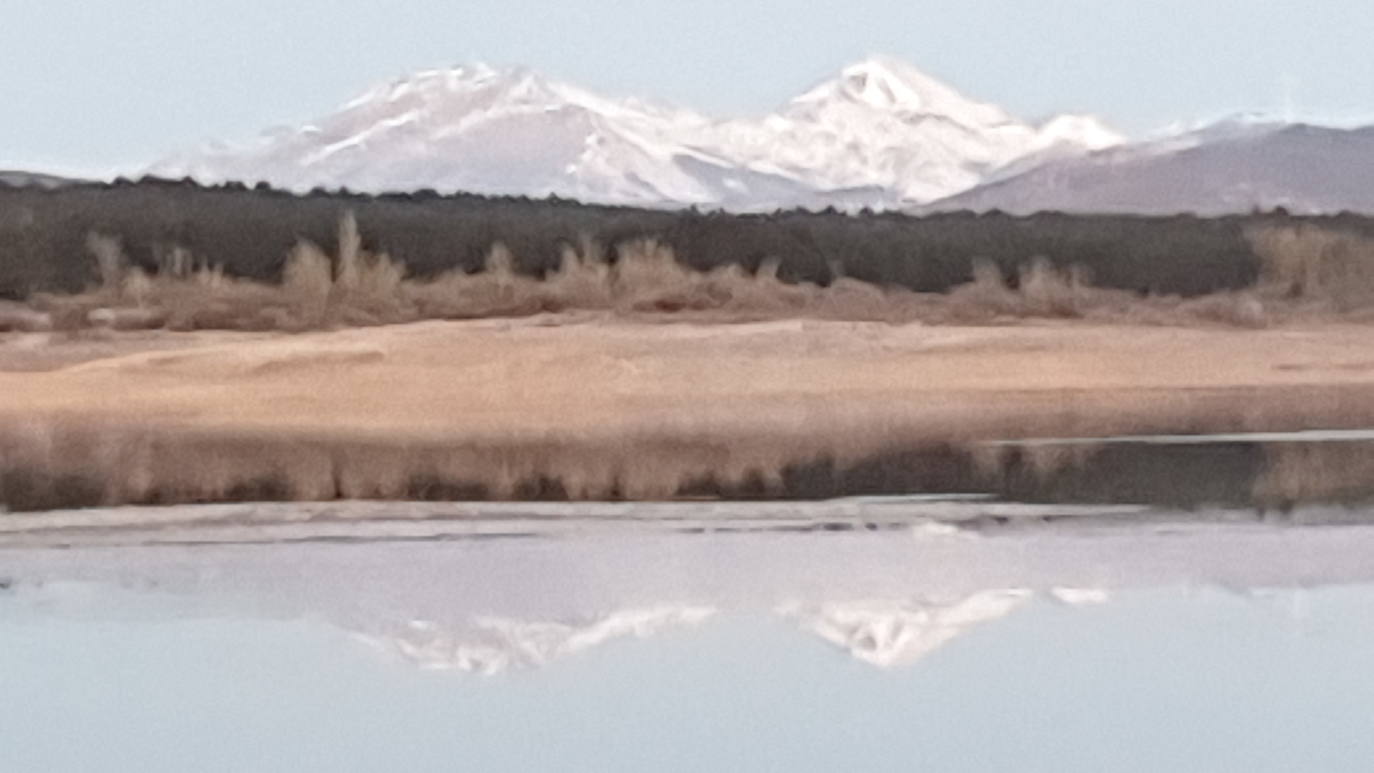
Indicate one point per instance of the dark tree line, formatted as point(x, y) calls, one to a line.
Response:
point(249, 232)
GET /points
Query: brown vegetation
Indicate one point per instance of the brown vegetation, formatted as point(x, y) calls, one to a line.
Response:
point(53, 466)
point(1330, 473)
point(1316, 270)
point(737, 411)
point(600, 407)
point(360, 288)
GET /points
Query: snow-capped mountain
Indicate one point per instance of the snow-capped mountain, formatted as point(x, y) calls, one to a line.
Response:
point(1233, 166)
point(884, 633)
point(891, 633)
point(884, 124)
point(895, 633)
point(490, 645)
point(880, 133)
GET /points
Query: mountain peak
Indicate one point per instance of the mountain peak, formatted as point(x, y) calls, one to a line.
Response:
point(887, 84)
point(430, 85)
point(896, 633)
point(880, 129)
point(883, 81)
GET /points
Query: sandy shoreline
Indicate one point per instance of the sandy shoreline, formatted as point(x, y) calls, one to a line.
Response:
point(598, 406)
point(534, 377)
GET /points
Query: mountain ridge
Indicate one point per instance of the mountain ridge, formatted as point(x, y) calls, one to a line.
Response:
point(879, 126)
point(879, 134)
point(1224, 168)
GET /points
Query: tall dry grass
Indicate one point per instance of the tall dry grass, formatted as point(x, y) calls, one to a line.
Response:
point(1316, 269)
point(1307, 271)
point(67, 463)
point(1327, 473)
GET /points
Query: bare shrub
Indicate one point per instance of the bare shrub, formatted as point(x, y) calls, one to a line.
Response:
point(985, 298)
point(109, 259)
point(1306, 270)
point(307, 281)
point(582, 281)
point(1239, 309)
point(15, 317)
point(1321, 266)
point(1048, 292)
point(1315, 472)
point(495, 291)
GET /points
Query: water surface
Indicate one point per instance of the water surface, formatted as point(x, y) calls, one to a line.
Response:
point(1236, 646)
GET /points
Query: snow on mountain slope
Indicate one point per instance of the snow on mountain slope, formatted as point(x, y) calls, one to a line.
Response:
point(883, 633)
point(884, 123)
point(879, 134)
point(491, 645)
point(1230, 167)
point(476, 129)
point(896, 633)
point(892, 633)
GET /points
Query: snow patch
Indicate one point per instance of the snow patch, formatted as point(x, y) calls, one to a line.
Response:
point(890, 633)
point(491, 645)
point(1079, 597)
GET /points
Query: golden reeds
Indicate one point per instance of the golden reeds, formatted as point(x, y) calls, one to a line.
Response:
point(1306, 271)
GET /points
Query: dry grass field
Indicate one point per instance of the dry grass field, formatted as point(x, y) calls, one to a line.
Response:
point(640, 379)
point(1310, 274)
point(604, 407)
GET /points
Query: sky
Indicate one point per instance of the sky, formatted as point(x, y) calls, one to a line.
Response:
point(89, 87)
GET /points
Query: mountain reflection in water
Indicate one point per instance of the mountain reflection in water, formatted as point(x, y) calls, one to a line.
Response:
point(248, 657)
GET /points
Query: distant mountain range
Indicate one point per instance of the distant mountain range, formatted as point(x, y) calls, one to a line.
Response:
point(882, 633)
point(19, 179)
point(1232, 166)
point(880, 133)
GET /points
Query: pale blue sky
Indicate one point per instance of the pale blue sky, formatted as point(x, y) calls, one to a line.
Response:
point(89, 86)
